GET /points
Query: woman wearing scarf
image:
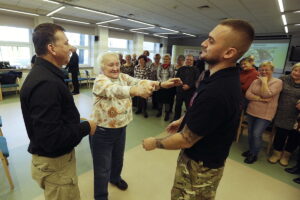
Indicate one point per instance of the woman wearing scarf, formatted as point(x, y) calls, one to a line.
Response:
point(165, 96)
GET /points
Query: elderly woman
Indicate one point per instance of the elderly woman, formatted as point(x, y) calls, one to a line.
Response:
point(154, 66)
point(142, 71)
point(165, 96)
point(128, 67)
point(263, 96)
point(286, 138)
point(247, 76)
point(112, 111)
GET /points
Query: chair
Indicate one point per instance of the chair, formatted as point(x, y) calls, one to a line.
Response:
point(4, 153)
point(15, 86)
point(90, 80)
point(268, 134)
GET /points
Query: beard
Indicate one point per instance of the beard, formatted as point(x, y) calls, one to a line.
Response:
point(211, 61)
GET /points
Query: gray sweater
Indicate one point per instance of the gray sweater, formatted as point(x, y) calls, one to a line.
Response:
point(286, 111)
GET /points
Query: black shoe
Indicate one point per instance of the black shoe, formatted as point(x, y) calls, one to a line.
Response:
point(167, 117)
point(250, 159)
point(122, 185)
point(158, 114)
point(293, 170)
point(75, 93)
point(246, 153)
point(297, 180)
point(138, 112)
point(145, 114)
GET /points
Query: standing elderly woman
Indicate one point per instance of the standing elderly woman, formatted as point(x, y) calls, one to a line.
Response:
point(263, 96)
point(128, 67)
point(165, 96)
point(142, 71)
point(112, 111)
point(286, 138)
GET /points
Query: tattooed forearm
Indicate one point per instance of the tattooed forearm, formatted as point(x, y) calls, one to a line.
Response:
point(189, 136)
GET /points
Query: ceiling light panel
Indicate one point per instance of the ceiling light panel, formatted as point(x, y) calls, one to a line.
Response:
point(139, 32)
point(281, 8)
point(136, 21)
point(167, 29)
point(55, 11)
point(95, 11)
point(135, 29)
point(189, 34)
point(69, 20)
point(110, 27)
point(283, 19)
point(104, 22)
point(53, 2)
point(16, 11)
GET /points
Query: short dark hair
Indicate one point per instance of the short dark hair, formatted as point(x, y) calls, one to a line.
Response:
point(42, 35)
point(143, 57)
point(244, 29)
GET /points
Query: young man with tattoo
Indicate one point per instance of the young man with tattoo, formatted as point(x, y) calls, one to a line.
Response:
point(206, 132)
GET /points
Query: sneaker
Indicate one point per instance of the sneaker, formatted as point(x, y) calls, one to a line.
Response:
point(297, 180)
point(122, 185)
point(293, 170)
point(246, 153)
point(250, 159)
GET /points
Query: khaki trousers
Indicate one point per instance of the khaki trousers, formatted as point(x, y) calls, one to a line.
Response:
point(57, 176)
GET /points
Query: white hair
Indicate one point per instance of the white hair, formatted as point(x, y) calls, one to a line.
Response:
point(104, 56)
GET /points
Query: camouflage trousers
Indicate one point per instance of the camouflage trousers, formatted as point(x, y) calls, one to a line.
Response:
point(193, 181)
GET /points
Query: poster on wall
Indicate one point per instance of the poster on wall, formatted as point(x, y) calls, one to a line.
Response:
point(194, 52)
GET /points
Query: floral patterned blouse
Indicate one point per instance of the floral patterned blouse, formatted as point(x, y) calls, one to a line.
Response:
point(112, 105)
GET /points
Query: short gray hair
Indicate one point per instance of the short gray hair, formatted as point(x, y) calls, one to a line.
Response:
point(103, 57)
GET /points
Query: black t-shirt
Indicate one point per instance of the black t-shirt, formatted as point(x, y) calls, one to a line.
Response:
point(214, 115)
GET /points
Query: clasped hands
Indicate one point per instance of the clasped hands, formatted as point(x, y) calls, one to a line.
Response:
point(146, 88)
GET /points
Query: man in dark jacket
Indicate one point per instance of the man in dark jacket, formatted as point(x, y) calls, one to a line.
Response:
point(51, 118)
point(73, 68)
point(188, 74)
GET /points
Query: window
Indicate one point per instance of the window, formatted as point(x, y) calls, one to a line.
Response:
point(14, 34)
point(152, 47)
point(15, 46)
point(120, 46)
point(15, 55)
point(81, 42)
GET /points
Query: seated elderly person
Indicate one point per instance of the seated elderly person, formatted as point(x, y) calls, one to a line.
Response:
point(112, 112)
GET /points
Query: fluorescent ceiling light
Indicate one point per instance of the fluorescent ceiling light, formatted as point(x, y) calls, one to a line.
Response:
point(297, 24)
point(112, 20)
point(69, 20)
point(94, 11)
point(49, 1)
point(135, 29)
point(286, 29)
point(139, 32)
point(167, 29)
point(112, 27)
point(283, 19)
point(166, 33)
point(132, 20)
point(189, 34)
point(15, 11)
point(160, 36)
point(281, 6)
point(55, 11)
point(297, 11)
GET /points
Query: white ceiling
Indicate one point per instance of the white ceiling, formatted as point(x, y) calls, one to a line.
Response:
point(180, 15)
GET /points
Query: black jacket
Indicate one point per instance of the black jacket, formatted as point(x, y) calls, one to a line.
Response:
point(188, 75)
point(73, 65)
point(51, 118)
